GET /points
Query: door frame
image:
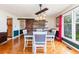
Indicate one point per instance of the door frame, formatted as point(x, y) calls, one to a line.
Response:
point(7, 28)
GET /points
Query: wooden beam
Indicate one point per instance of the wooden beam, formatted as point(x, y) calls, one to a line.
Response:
point(25, 18)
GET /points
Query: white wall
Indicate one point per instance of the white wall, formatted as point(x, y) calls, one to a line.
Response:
point(16, 24)
point(3, 21)
point(51, 22)
point(22, 24)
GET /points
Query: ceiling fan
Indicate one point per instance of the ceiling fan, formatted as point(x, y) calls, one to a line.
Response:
point(41, 10)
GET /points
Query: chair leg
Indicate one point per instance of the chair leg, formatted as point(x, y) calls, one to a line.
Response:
point(24, 49)
point(45, 49)
point(51, 45)
point(54, 45)
point(32, 46)
point(34, 50)
point(24, 45)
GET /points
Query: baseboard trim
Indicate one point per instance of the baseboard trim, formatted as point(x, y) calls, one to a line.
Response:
point(70, 46)
point(21, 34)
point(3, 42)
point(17, 36)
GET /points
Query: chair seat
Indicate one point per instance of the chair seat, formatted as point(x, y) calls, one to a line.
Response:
point(39, 47)
point(28, 39)
point(39, 43)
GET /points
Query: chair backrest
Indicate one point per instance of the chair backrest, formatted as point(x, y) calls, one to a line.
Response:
point(53, 32)
point(25, 31)
point(39, 37)
point(38, 29)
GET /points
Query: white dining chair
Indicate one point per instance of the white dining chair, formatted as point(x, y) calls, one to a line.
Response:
point(39, 40)
point(25, 39)
point(52, 39)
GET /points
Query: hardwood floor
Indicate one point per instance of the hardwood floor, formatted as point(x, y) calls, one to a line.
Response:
point(17, 48)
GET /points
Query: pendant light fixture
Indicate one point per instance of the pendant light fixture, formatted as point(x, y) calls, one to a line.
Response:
point(41, 15)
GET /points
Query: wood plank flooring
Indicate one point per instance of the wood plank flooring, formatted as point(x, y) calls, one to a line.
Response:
point(16, 47)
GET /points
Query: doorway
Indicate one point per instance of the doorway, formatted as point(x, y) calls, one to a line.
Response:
point(9, 28)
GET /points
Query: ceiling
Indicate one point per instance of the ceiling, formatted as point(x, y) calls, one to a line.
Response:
point(29, 10)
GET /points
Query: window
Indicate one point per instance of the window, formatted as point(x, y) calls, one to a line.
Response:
point(68, 26)
point(77, 26)
point(57, 21)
